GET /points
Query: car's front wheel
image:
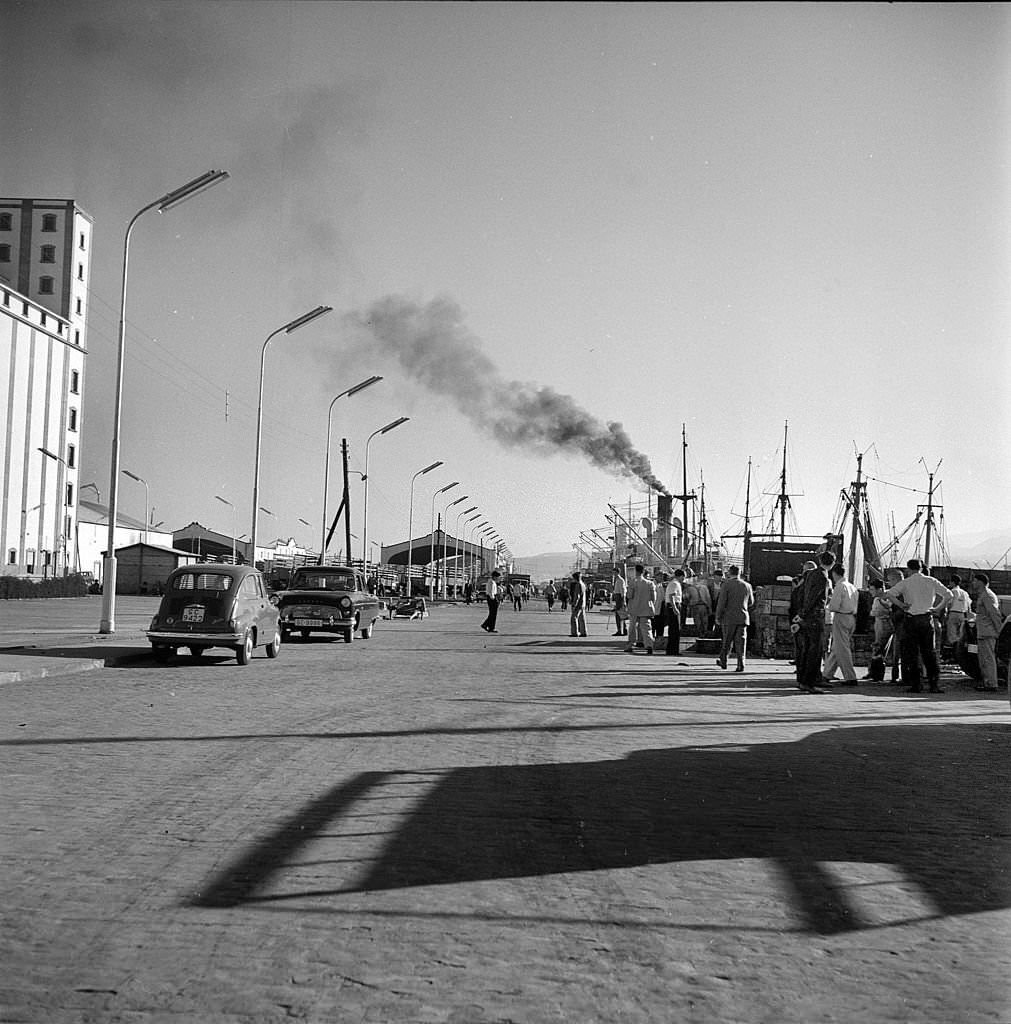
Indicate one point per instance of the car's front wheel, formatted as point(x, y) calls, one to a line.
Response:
point(367, 630)
point(244, 652)
point(274, 647)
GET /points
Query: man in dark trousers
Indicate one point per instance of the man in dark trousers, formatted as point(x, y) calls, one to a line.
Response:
point(810, 623)
point(491, 592)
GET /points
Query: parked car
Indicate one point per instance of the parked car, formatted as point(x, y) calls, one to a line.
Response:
point(215, 605)
point(328, 599)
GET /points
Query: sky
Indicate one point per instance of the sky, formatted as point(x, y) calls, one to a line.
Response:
point(563, 234)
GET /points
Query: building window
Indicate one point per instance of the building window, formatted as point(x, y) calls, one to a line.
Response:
point(12, 556)
point(48, 254)
point(46, 285)
point(49, 222)
point(72, 419)
point(82, 240)
point(71, 456)
point(80, 271)
point(79, 307)
point(77, 337)
point(75, 382)
point(5, 254)
point(70, 495)
point(6, 221)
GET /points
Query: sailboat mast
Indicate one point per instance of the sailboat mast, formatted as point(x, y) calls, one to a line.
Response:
point(857, 505)
point(930, 520)
point(684, 489)
point(783, 497)
point(747, 522)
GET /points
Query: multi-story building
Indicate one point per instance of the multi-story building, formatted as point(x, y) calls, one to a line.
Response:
point(45, 258)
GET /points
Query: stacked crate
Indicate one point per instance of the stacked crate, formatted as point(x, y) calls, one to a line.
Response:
point(773, 638)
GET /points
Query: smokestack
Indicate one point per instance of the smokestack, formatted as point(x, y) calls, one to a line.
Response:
point(435, 348)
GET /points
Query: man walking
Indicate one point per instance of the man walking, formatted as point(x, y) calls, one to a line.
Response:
point(921, 597)
point(491, 593)
point(641, 609)
point(577, 603)
point(810, 623)
point(988, 626)
point(843, 606)
point(733, 614)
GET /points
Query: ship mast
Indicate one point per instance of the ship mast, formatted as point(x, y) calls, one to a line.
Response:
point(858, 491)
point(783, 500)
point(747, 522)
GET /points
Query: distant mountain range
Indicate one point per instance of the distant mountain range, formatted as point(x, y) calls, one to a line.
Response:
point(982, 550)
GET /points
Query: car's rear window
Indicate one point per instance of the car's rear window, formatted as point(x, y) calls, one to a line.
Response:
point(323, 581)
point(202, 581)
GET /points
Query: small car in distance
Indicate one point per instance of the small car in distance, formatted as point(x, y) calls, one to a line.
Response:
point(328, 599)
point(215, 605)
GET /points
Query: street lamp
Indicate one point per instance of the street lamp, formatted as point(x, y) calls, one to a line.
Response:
point(365, 479)
point(445, 551)
point(305, 522)
point(147, 498)
point(227, 502)
point(167, 201)
point(410, 523)
point(473, 536)
point(305, 318)
point(456, 536)
point(361, 386)
point(431, 537)
point(64, 525)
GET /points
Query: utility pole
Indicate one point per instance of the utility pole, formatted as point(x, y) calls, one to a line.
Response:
point(346, 501)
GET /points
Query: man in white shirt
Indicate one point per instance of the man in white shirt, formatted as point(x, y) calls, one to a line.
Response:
point(491, 593)
point(843, 606)
point(619, 590)
point(921, 597)
point(673, 596)
point(989, 622)
point(958, 608)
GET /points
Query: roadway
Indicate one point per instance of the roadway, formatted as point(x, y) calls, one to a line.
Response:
point(437, 825)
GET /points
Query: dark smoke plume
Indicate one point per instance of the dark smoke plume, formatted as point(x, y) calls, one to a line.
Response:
point(436, 349)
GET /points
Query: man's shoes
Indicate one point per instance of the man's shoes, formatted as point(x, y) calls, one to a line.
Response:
point(640, 645)
point(619, 633)
point(914, 689)
point(987, 689)
point(628, 650)
point(740, 668)
point(484, 627)
point(492, 630)
point(649, 650)
point(812, 689)
point(721, 663)
point(849, 682)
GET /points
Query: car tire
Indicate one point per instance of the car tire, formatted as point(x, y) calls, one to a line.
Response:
point(162, 653)
point(244, 652)
point(274, 647)
point(349, 635)
point(285, 635)
point(367, 630)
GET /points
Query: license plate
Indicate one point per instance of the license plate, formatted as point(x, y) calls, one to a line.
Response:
point(308, 622)
point(193, 613)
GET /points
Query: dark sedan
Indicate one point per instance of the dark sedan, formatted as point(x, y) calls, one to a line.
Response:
point(328, 599)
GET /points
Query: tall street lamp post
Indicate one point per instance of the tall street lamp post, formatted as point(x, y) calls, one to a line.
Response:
point(305, 318)
point(361, 386)
point(167, 201)
point(431, 537)
point(410, 523)
point(473, 536)
point(445, 547)
point(365, 479)
point(456, 536)
point(147, 499)
point(225, 501)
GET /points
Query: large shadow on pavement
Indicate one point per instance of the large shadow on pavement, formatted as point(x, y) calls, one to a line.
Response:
point(931, 801)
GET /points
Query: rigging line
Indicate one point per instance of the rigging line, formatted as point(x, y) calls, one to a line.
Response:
point(888, 483)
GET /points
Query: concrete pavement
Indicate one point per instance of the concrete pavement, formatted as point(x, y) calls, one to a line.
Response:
point(441, 826)
point(59, 636)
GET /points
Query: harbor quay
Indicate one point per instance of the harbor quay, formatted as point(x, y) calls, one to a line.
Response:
point(441, 825)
